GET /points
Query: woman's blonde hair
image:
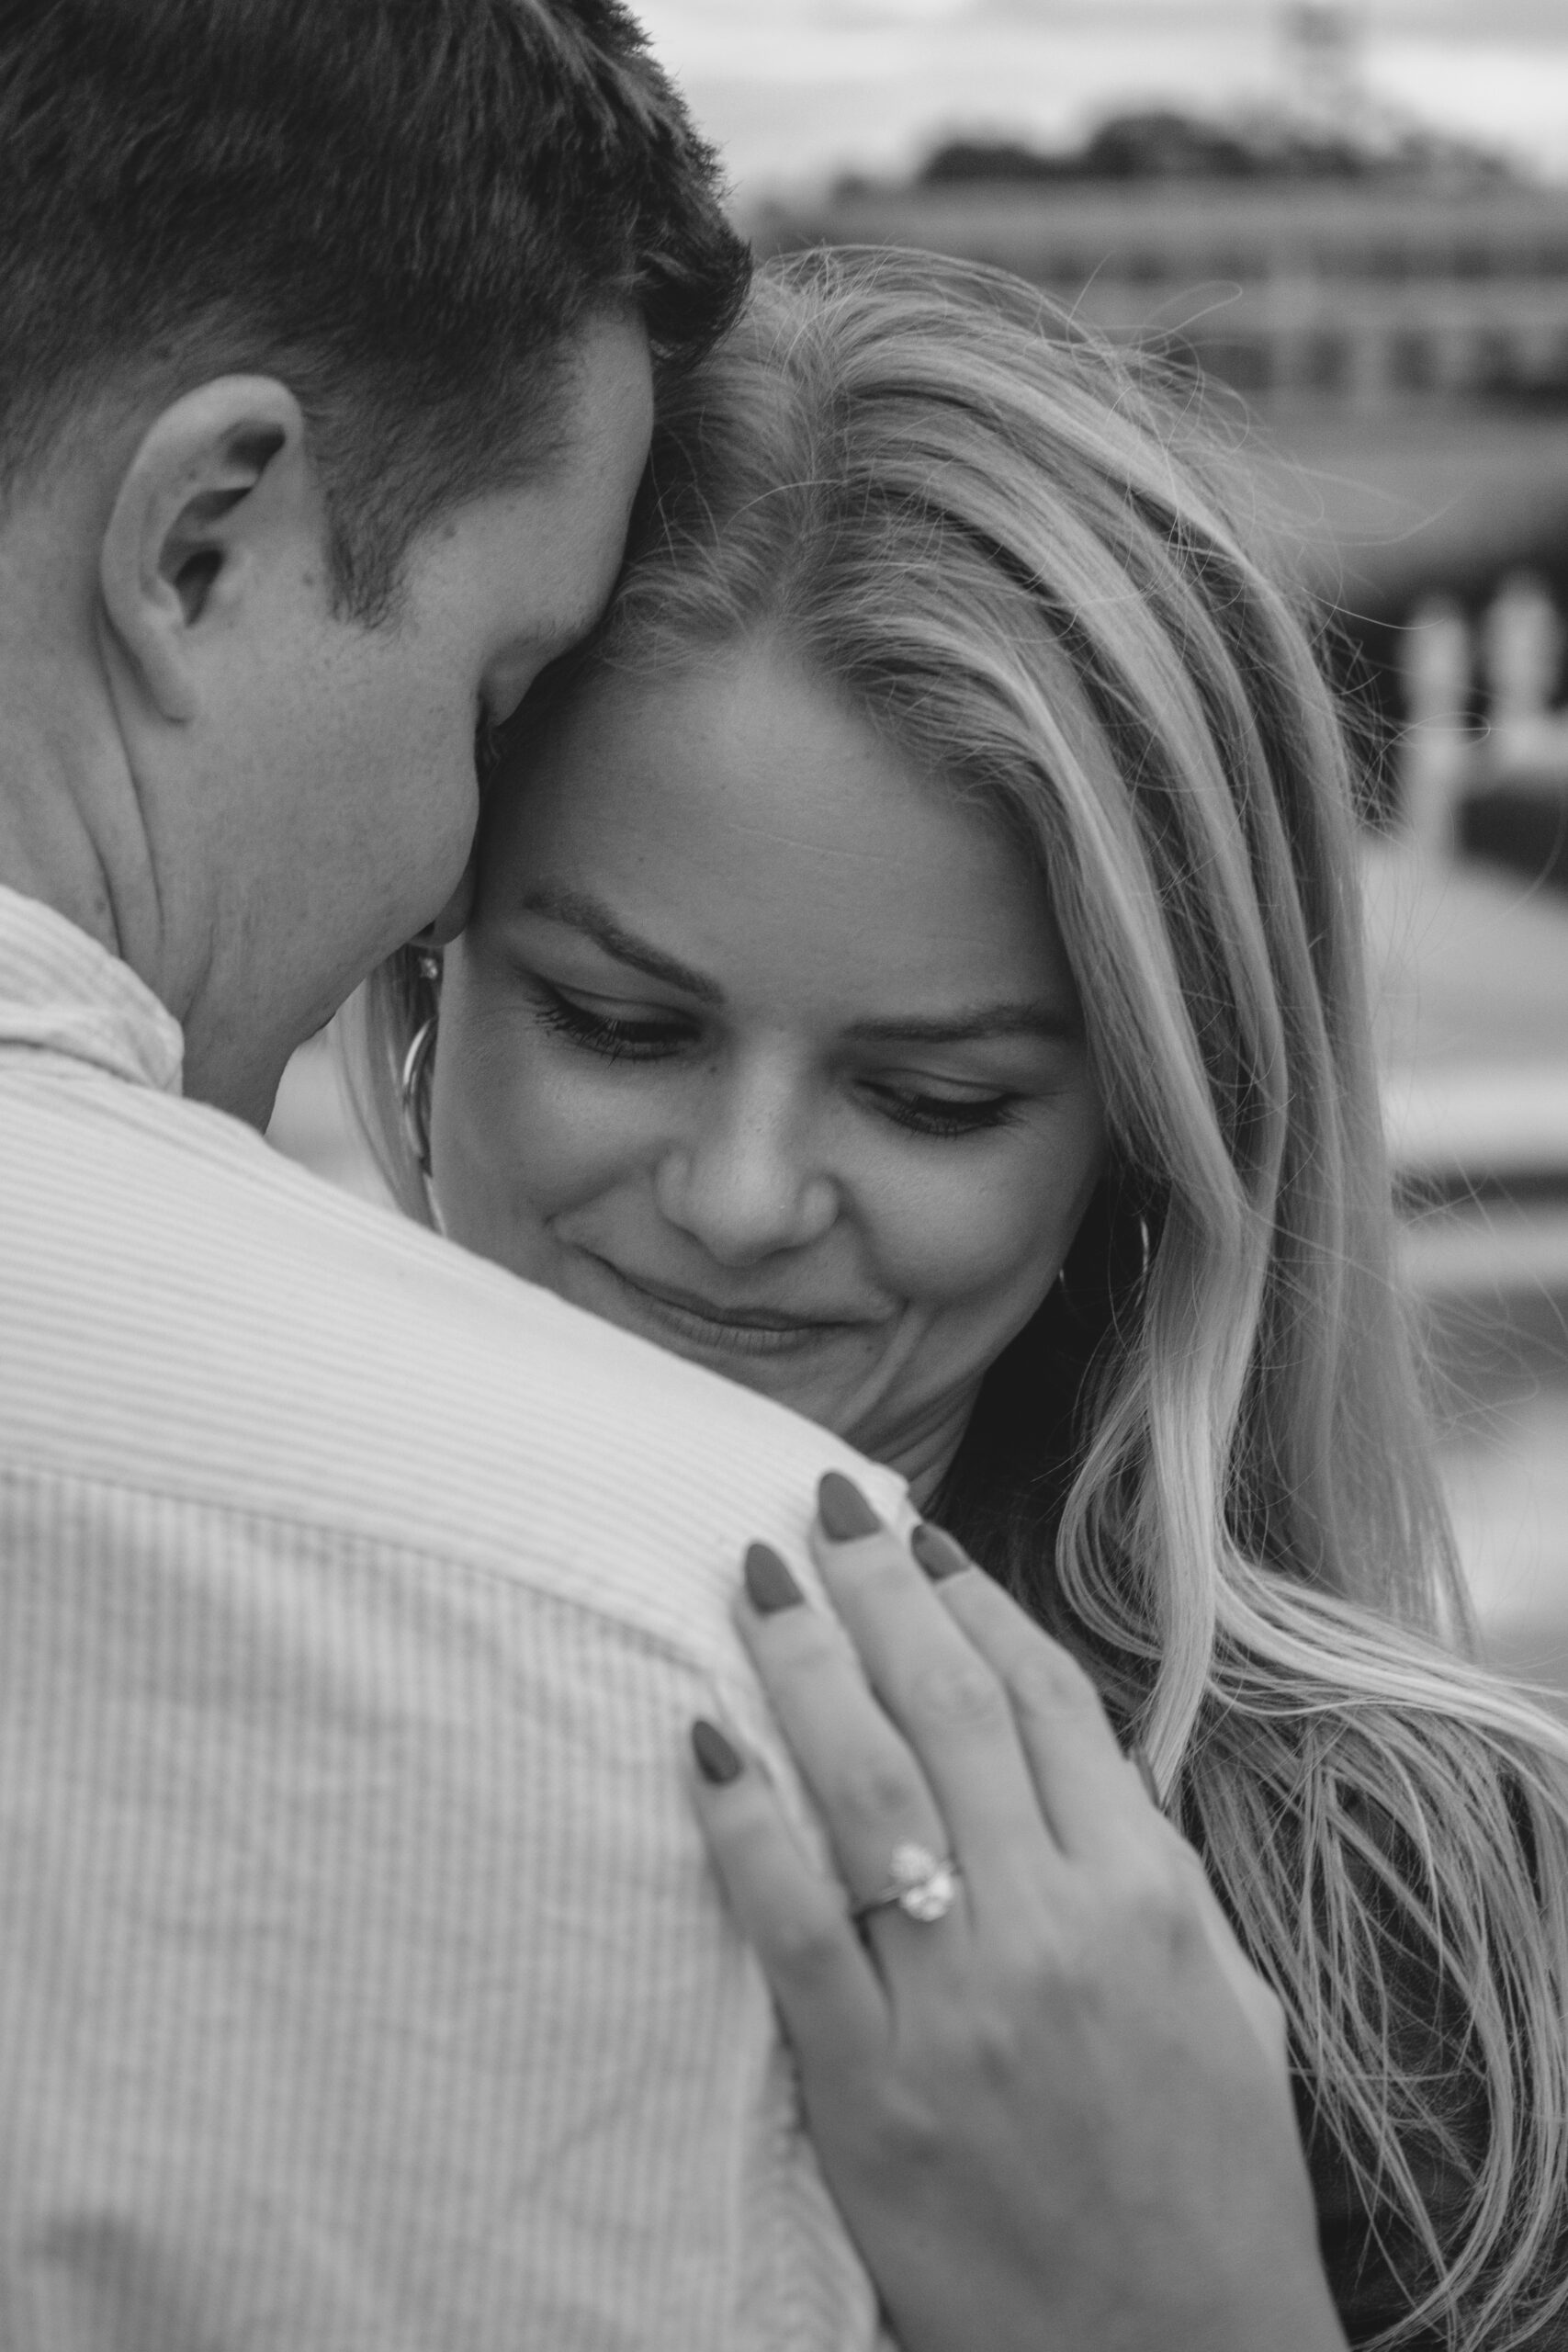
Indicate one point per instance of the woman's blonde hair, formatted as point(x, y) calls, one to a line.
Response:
point(1024, 560)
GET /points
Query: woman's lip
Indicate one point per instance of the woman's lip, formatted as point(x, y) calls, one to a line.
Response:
point(762, 1320)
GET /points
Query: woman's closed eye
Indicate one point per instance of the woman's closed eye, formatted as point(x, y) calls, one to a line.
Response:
point(624, 1033)
point(617, 1034)
point(926, 1114)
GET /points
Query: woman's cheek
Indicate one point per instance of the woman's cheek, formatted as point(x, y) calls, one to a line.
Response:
point(580, 1133)
point(955, 1235)
point(500, 1125)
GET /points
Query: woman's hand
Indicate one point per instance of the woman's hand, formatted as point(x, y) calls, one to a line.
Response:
point(1057, 2116)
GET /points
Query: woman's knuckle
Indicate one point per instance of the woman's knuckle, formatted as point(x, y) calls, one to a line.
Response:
point(1026, 1963)
point(870, 1789)
point(1157, 1904)
point(957, 1693)
point(1059, 1974)
point(999, 2031)
point(806, 1642)
point(806, 1945)
point(1051, 1680)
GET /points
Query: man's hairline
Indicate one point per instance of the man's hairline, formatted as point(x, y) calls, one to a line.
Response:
point(541, 446)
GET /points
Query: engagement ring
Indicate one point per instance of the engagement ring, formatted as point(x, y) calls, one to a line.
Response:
point(919, 1884)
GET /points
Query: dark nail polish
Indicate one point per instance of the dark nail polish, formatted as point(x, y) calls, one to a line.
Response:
point(844, 1510)
point(769, 1584)
point(717, 1760)
point(937, 1553)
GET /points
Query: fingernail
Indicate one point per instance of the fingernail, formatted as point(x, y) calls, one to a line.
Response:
point(937, 1553)
point(844, 1510)
point(717, 1760)
point(769, 1584)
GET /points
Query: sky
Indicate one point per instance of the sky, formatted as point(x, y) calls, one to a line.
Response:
point(792, 90)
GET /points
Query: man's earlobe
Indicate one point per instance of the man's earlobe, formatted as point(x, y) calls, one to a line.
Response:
point(219, 481)
point(455, 914)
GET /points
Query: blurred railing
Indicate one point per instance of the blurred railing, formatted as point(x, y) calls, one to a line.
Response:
point(1468, 929)
point(1484, 762)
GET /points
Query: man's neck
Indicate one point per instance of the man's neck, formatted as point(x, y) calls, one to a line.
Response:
point(68, 810)
point(46, 846)
point(72, 836)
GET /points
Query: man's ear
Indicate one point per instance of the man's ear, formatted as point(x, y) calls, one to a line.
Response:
point(219, 483)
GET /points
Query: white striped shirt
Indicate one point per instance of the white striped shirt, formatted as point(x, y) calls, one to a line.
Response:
point(363, 1986)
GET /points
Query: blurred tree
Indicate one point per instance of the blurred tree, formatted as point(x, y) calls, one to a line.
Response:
point(1164, 143)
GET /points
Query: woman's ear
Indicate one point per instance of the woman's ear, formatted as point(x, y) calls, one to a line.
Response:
point(218, 487)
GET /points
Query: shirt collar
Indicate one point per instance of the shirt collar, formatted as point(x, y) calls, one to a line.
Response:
point(62, 993)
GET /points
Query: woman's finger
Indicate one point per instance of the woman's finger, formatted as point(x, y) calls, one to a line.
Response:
point(1093, 1802)
point(795, 1920)
point(1060, 1721)
point(869, 1787)
point(946, 1700)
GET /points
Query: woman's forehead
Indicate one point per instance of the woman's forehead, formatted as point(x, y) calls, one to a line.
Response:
point(753, 806)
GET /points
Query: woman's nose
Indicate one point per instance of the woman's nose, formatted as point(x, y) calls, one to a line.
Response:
point(744, 1181)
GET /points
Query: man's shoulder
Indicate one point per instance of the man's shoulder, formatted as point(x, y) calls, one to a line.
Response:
point(191, 1317)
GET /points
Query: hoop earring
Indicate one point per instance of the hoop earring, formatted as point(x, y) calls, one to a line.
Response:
point(413, 1083)
point(413, 1092)
point(1145, 1252)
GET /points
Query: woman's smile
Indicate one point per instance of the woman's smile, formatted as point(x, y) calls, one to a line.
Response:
point(726, 1328)
point(763, 1044)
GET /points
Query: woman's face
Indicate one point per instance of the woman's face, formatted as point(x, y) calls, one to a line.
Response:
point(760, 1044)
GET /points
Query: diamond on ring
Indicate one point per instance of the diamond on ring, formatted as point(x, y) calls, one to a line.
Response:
point(921, 1884)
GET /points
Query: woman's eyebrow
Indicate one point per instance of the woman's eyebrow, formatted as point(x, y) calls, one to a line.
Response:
point(581, 910)
point(1005, 1019)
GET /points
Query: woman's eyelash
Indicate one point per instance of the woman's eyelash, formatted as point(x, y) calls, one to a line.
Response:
point(945, 1115)
point(602, 1032)
point(619, 1040)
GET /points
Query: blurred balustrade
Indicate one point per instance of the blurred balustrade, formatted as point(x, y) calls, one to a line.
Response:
point(1468, 932)
point(1371, 290)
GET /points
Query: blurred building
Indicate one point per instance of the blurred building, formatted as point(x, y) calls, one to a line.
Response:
point(1393, 289)
point(1391, 308)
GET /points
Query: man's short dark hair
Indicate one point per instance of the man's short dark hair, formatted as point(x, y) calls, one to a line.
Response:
point(403, 208)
